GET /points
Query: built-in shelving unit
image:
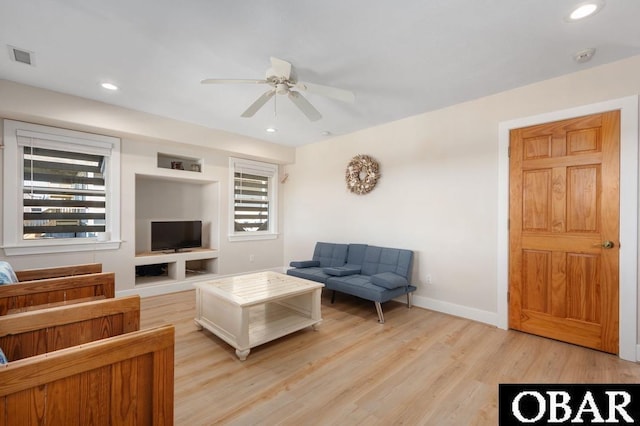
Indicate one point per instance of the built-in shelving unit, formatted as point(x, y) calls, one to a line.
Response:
point(178, 162)
point(177, 266)
point(175, 187)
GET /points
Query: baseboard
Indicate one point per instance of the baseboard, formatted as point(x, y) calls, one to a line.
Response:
point(174, 287)
point(486, 317)
point(157, 289)
point(637, 354)
point(474, 314)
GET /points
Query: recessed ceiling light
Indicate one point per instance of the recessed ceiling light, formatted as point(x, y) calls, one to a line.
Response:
point(584, 10)
point(271, 130)
point(109, 86)
point(326, 133)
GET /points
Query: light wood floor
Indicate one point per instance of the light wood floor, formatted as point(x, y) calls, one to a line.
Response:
point(420, 367)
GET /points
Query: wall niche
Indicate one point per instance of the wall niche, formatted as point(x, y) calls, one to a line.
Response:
point(162, 198)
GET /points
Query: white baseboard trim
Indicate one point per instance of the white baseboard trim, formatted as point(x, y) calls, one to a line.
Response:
point(157, 289)
point(474, 314)
point(174, 287)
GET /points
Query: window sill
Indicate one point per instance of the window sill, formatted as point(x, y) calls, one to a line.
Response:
point(253, 236)
point(42, 247)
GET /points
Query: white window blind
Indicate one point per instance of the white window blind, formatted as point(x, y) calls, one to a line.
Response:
point(63, 194)
point(253, 201)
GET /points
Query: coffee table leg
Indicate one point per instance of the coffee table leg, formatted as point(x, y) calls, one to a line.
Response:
point(242, 355)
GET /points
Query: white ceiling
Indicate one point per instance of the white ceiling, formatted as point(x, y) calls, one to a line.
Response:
point(401, 58)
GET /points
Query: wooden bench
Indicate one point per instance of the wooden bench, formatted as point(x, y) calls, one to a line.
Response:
point(58, 271)
point(58, 373)
point(27, 334)
point(40, 292)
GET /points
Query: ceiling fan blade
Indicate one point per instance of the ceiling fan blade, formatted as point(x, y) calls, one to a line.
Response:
point(259, 103)
point(330, 92)
point(303, 105)
point(231, 81)
point(279, 68)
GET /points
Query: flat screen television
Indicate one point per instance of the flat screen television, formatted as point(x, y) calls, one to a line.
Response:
point(176, 235)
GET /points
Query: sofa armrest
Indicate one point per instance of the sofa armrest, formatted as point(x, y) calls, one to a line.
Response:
point(389, 280)
point(342, 271)
point(304, 263)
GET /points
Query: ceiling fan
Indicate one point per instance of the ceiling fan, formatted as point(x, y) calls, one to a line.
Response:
point(281, 78)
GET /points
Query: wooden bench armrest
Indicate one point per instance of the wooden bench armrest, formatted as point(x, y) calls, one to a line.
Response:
point(53, 305)
point(60, 283)
point(60, 271)
point(43, 293)
point(40, 369)
point(128, 379)
point(68, 314)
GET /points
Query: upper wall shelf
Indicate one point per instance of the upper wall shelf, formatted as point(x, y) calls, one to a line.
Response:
point(178, 162)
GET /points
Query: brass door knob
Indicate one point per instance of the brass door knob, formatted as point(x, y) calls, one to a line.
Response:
point(608, 244)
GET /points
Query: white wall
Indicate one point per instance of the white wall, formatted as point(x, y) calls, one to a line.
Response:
point(143, 136)
point(161, 199)
point(438, 194)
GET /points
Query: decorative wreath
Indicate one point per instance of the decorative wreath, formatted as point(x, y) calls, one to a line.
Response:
point(362, 174)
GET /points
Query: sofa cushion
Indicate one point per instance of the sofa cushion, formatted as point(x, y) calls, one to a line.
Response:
point(7, 275)
point(330, 254)
point(382, 259)
point(313, 274)
point(361, 286)
point(356, 254)
point(389, 280)
point(304, 263)
point(341, 271)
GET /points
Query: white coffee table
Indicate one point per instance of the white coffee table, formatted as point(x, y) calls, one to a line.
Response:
point(249, 310)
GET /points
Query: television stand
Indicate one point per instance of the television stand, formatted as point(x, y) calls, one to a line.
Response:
point(181, 265)
point(178, 250)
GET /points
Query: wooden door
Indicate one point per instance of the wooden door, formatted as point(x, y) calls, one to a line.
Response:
point(564, 230)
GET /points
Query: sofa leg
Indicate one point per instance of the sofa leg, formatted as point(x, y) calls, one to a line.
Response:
point(333, 296)
point(379, 310)
point(409, 300)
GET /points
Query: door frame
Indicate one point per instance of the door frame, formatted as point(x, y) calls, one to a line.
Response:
point(628, 107)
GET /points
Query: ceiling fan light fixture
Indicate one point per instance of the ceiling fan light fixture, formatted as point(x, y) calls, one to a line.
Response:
point(584, 10)
point(282, 88)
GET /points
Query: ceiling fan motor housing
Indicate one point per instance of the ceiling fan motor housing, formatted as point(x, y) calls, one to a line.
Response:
point(282, 88)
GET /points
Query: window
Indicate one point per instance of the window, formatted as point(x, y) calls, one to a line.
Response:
point(253, 199)
point(66, 187)
point(63, 194)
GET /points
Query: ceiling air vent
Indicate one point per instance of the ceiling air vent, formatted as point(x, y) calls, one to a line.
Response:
point(21, 55)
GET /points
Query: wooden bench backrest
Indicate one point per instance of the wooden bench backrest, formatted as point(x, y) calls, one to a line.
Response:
point(126, 379)
point(56, 290)
point(37, 332)
point(58, 271)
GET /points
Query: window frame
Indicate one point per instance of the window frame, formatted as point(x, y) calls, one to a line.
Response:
point(13, 242)
point(268, 170)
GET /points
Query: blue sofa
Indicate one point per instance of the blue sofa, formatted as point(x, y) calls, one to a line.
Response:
point(373, 273)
